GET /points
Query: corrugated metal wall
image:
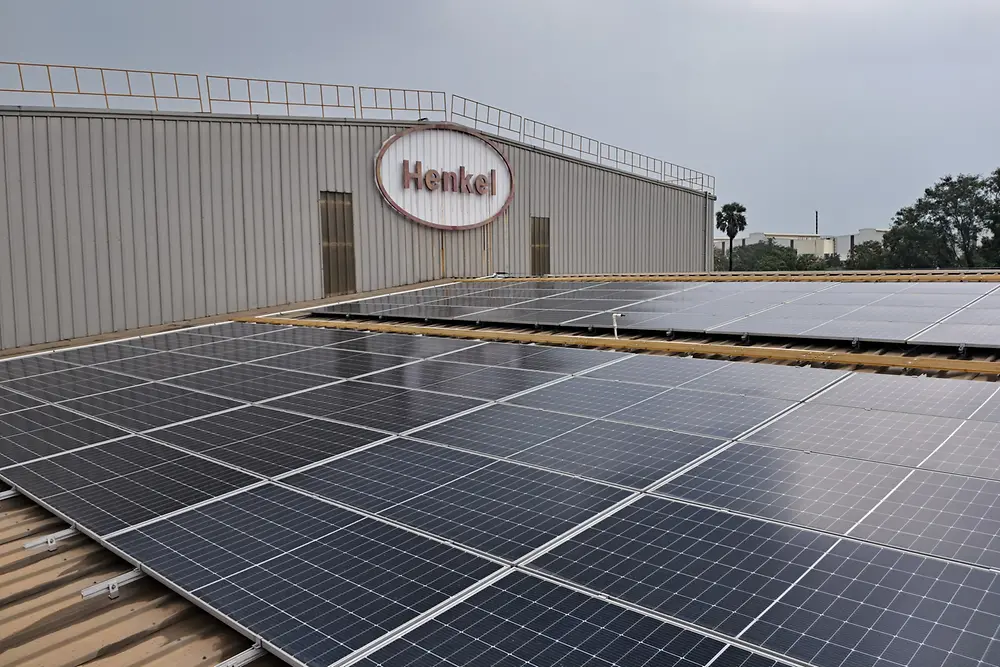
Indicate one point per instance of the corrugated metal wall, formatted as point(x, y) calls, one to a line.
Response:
point(111, 221)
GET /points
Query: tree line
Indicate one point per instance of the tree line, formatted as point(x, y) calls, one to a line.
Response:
point(955, 224)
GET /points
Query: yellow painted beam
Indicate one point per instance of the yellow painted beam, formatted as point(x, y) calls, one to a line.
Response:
point(988, 276)
point(667, 346)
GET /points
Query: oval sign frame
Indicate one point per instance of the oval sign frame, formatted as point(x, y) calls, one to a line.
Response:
point(441, 126)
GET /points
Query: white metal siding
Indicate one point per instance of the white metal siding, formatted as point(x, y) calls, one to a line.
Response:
point(111, 221)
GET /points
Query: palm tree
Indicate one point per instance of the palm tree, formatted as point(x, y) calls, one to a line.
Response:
point(732, 221)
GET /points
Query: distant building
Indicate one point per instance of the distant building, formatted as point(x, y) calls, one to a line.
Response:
point(842, 244)
point(808, 244)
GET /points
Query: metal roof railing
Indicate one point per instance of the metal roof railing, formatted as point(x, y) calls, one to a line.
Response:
point(73, 85)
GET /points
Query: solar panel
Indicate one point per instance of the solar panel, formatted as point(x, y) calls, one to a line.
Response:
point(22, 367)
point(149, 406)
point(383, 407)
point(117, 484)
point(632, 456)
point(657, 371)
point(238, 329)
point(250, 383)
point(564, 360)
point(288, 442)
point(890, 313)
point(387, 474)
point(331, 583)
point(173, 341)
point(588, 398)
point(242, 350)
point(500, 430)
point(333, 362)
point(405, 345)
point(950, 516)
point(872, 435)
point(918, 395)
point(699, 565)
point(42, 431)
point(524, 620)
point(716, 415)
point(463, 379)
point(163, 365)
point(866, 606)
point(69, 384)
point(972, 451)
point(813, 490)
point(505, 509)
point(771, 381)
point(311, 336)
point(11, 401)
point(96, 354)
point(987, 335)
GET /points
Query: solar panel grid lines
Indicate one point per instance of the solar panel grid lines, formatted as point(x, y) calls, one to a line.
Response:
point(122, 482)
point(871, 606)
point(920, 395)
point(513, 621)
point(343, 589)
point(773, 307)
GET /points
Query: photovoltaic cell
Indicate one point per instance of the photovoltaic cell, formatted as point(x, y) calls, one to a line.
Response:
point(11, 401)
point(311, 336)
point(632, 456)
point(163, 365)
point(868, 606)
point(717, 570)
point(387, 474)
point(173, 341)
point(505, 509)
point(228, 428)
point(406, 345)
point(108, 487)
point(917, 395)
point(813, 490)
point(588, 398)
point(657, 371)
point(239, 329)
point(22, 367)
point(527, 621)
point(149, 406)
point(500, 430)
point(245, 382)
point(872, 435)
point(767, 380)
point(349, 583)
point(394, 411)
point(463, 379)
point(705, 413)
point(96, 354)
point(278, 450)
point(73, 383)
point(242, 350)
point(46, 430)
point(972, 451)
point(950, 516)
point(333, 362)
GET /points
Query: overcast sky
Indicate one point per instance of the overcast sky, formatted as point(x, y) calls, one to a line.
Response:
point(851, 107)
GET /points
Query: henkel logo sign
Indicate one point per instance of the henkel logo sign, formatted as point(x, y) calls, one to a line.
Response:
point(444, 176)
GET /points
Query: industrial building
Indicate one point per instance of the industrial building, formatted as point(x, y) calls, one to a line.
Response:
point(113, 220)
point(808, 244)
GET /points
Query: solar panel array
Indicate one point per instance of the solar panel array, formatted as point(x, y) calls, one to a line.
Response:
point(376, 499)
point(944, 313)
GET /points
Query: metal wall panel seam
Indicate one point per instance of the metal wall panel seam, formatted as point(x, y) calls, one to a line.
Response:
point(116, 274)
point(63, 307)
point(161, 223)
point(7, 314)
point(32, 252)
point(185, 247)
point(172, 220)
point(126, 243)
point(46, 244)
point(197, 219)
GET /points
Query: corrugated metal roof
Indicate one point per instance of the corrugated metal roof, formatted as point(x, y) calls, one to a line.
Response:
point(44, 621)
